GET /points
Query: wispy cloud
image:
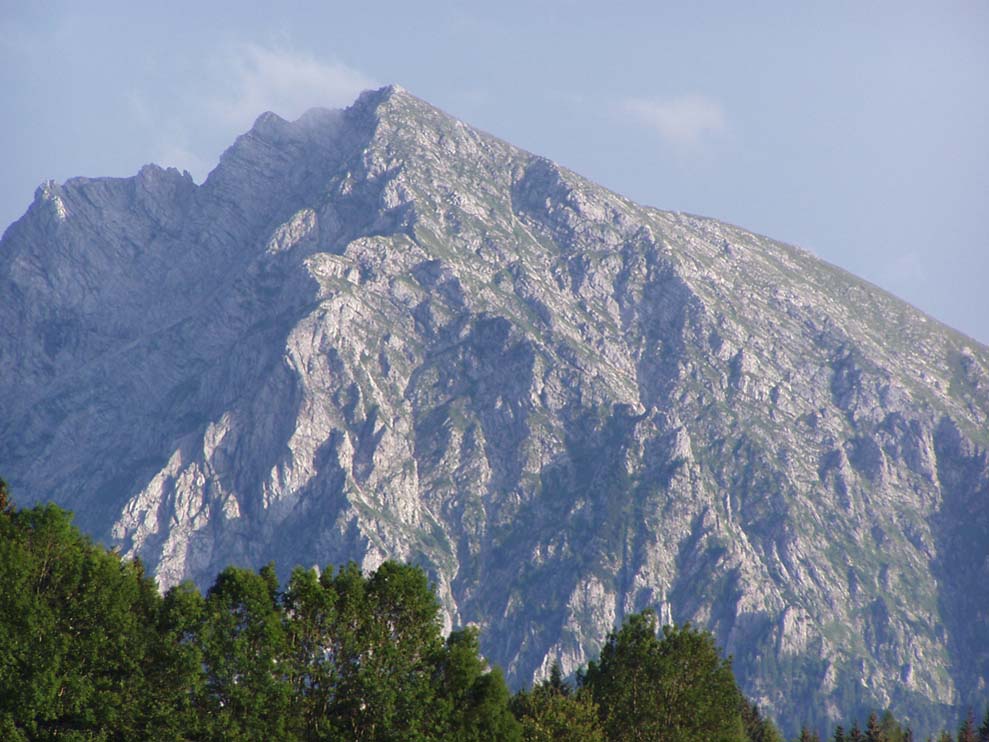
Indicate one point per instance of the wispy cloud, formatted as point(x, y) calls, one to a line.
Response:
point(281, 80)
point(190, 127)
point(685, 123)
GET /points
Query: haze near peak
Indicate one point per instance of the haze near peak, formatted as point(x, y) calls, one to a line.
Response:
point(856, 131)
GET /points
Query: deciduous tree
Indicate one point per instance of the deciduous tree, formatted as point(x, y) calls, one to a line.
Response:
point(674, 688)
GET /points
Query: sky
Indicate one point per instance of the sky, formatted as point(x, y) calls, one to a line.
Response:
point(856, 130)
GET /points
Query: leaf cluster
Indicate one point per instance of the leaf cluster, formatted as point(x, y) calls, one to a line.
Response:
point(90, 650)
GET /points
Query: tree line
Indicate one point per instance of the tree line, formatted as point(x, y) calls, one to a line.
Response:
point(90, 649)
point(885, 728)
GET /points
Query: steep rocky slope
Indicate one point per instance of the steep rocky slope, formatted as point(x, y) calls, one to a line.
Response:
point(380, 333)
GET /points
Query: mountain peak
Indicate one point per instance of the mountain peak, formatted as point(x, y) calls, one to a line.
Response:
point(268, 121)
point(390, 99)
point(378, 332)
point(375, 96)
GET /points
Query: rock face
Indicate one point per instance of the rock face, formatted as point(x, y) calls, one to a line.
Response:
point(380, 333)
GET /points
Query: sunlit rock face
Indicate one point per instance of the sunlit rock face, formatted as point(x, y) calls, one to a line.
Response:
point(379, 333)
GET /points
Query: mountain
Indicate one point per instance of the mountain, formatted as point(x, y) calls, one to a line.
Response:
point(379, 333)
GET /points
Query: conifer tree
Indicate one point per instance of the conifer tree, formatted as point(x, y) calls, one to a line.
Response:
point(5, 504)
point(757, 727)
point(984, 727)
point(89, 650)
point(967, 731)
point(873, 732)
point(555, 683)
point(890, 729)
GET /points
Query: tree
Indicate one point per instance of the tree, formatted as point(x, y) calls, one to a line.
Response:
point(967, 731)
point(366, 661)
point(178, 708)
point(311, 606)
point(675, 689)
point(381, 647)
point(76, 627)
point(406, 643)
point(757, 727)
point(873, 732)
point(472, 703)
point(552, 711)
point(891, 729)
point(555, 683)
point(984, 727)
point(486, 715)
point(6, 506)
point(243, 641)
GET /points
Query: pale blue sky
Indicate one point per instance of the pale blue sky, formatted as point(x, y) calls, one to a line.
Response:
point(858, 130)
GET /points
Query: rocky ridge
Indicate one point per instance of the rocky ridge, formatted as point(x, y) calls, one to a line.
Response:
point(380, 333)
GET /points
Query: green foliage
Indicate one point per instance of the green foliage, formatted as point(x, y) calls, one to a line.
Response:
point(554, 712)
point(176, 667)
point(380, 646)
point(890, 730)
point(313, 610)
point(967, 731)
point(243, 644)
point(757, 727)
point(485, 715)
point(472, 704)
point(6, 506)
point(676, 688)
point(89, 650)
point(883, 728)
point(877, 729)
point(75, 625)
point(872, 731)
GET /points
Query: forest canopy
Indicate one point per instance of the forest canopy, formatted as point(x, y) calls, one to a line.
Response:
point(90, 649)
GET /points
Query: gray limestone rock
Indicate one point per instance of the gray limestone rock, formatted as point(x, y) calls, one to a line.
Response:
point(379, 333)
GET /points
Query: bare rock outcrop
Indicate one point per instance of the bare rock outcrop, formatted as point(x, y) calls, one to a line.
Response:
point(379, 333)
